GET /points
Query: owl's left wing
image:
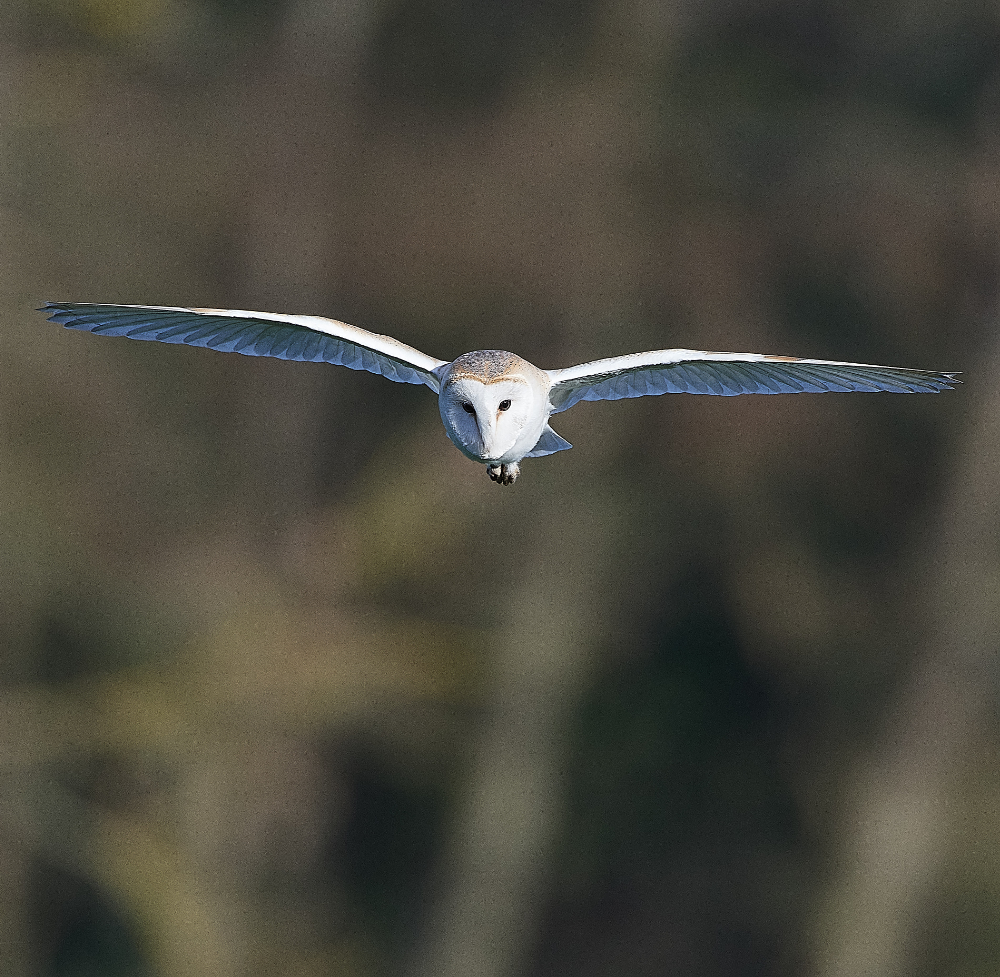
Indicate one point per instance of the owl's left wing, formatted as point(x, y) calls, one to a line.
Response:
point(668, 371)
point(287, 337)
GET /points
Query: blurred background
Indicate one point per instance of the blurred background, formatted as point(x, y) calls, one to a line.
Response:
point(289, 687)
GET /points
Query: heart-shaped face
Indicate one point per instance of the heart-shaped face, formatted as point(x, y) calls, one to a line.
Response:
point(494, 405)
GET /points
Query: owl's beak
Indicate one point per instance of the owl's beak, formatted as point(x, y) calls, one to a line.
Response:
point(488, 436)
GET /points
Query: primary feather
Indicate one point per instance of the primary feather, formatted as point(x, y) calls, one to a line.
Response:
point(286, 337)
point(729, 374)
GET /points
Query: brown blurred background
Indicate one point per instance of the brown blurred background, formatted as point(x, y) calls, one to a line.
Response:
point(289, 687)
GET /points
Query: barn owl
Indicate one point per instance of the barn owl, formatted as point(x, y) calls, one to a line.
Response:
point(495, 405)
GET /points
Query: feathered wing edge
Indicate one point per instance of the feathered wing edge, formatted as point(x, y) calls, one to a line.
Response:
point(728, 375)
point(286, 337)
point(548, 444)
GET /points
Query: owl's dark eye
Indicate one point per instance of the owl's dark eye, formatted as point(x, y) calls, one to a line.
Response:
point(504, 405)
point(469, 409)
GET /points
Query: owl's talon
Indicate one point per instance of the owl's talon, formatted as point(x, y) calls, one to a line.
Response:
point(504, 474)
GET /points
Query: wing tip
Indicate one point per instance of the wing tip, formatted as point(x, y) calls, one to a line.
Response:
point(57, 311)
point(938, 382)
point(72, 315)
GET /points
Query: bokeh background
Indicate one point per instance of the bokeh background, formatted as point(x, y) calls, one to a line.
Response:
point(288, 687)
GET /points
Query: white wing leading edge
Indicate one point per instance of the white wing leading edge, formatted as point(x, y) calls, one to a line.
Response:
point(287, 337)
point(669, 371)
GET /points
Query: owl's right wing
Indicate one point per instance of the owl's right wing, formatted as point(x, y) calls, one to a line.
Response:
point(668, 371)
point(287, 337)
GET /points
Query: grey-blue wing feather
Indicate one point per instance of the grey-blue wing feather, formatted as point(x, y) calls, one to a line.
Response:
point(249, 336)
point(730, 378)
point(548, 444)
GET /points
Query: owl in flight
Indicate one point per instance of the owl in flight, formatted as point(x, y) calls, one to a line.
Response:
point(495, 405)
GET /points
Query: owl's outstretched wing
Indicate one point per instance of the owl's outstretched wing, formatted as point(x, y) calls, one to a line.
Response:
point(287, 337)
point(669, 371)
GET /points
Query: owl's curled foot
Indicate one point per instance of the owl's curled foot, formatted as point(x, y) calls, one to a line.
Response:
point(504, 474)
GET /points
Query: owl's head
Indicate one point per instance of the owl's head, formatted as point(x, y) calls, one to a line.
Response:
point(493, 404)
